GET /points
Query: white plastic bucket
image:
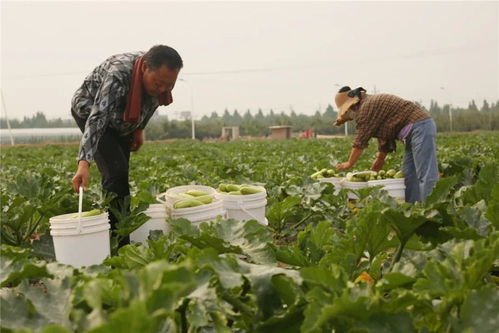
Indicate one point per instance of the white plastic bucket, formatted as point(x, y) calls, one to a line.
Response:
point(171, 194)
point(395, 187)
point(246, 207)
point(336, 181)
point(353, 186)
point(198, 214)
point(80, 244)
point(158, 215)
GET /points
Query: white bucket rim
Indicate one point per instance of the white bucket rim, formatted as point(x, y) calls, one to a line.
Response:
point(84, 231)
point(74, 225)
point(65, 218)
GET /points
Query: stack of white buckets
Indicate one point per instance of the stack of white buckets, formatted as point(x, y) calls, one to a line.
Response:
point(84, 241)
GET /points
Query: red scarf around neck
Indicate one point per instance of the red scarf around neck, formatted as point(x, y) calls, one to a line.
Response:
point(134, 99)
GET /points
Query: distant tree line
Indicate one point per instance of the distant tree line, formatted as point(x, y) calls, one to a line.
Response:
point(467, 119)
point(463, 120)
point(37, 121)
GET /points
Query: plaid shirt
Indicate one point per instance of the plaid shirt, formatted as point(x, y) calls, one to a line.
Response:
point(101, 101)
point(382, 116)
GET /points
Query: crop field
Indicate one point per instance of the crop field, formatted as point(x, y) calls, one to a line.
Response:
point(323, 264)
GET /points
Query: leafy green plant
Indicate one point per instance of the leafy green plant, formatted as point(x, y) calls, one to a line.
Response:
point(324, 263)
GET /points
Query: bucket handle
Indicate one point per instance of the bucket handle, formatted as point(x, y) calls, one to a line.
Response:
point(168, 205)
point(241, 207)
point(160, 196)
point(80, 208)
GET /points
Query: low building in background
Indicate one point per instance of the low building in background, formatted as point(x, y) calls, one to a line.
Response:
point(280, 132)
point(230, 133)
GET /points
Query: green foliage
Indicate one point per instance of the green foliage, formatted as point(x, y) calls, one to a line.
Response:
point(323, 264)
point(256, 123)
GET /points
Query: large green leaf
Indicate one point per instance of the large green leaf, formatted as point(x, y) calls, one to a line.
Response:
point(395, 280)
point(337, 313)
point(482, 189)
point(260, 278)
point(333, 279)
point(227, 268)
point(37, 304)
point(386, 323)
point(280, 211)
point(464, 267)
point(15, 266)
point(373, 228)
point(132, 319)
point(441, 190)
point(206, 310)
point(131, 257)
point(404, 224)
point(310, 247)
point(100, 294)
point(479, 312)
point(44, 247)
point(175, 279)
point(493, 207)
point(18, 313)
point(230, 236)
point(52, 298)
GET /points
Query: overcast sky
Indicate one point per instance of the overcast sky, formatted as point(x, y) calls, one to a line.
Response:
point(246, 55)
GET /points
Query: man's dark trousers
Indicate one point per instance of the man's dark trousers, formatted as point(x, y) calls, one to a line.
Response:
point(112, 159)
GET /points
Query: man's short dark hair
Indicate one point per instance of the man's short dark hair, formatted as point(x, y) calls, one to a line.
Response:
point(160, 55)
point(343, 89)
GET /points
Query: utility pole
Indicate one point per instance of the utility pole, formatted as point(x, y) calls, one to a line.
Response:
point(450, 108)
point(7, 119)
point(193, 128)
point(450, 116)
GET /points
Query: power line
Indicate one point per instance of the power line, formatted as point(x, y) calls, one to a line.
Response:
point(418, 54)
